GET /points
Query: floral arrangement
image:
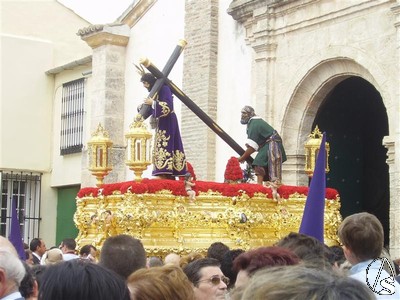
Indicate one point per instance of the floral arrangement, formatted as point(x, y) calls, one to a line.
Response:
point(177, 188)
point(233, 172)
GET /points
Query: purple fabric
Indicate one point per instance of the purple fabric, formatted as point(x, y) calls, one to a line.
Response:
point(15, 233)
point(168, 153)
point(312, 223)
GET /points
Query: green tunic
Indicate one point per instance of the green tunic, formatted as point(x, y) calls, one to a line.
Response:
point(264, 139)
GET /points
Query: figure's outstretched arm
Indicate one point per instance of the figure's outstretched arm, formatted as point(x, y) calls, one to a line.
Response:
point(249, 151)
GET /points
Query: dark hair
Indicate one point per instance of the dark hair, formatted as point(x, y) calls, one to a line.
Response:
point(193, 269)
point(37, 272)
point(27, 283)
point(309, 249)
point(227, 265)
point(338, 254)
point(262, 257)
point(69, 243)
point(86, 249)
point(81, 280)
point(188, 175)
point(27, 253)
point(36, 242)
point(149, 78)
point(123, 254)
point(217, 250)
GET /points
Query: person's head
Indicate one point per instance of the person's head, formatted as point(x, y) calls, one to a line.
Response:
point(187, 259)
point(172, 259)
point(246, 113)
point(51, 257)
point(188, 176)
point(38, 246)
point(12, 271)
point(154, 261)
point(227, 265)
point(5, 244)
point(310, 250)
point(209, 283)
point(28, 257)
point(362, 237)
point(68, 245)
point(29, 286)
point(88, 252)
point(338, 255)
point(37, 272)
point(160, 283)
point(217, 250)
point(123, 254)
point(81, 280)
point(300, 282)
point(247, 263)
point(148, 80)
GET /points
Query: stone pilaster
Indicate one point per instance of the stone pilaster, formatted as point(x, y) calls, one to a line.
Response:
point(107, 93)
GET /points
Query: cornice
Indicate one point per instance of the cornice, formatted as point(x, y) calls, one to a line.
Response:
point(110, 34)
point(134, 13)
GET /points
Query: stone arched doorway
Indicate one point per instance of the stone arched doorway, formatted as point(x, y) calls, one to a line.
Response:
point(354, 117)
point(304, 110)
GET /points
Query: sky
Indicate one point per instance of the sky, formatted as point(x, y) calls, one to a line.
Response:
point(98, 11)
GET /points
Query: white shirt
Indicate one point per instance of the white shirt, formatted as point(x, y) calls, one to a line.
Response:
point(13, 296)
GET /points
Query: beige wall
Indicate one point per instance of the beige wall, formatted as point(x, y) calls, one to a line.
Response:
point(49, 20)
point(37, 36)
point(67, 169)
point(26, 104)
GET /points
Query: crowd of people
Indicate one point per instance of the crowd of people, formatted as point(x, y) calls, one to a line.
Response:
point(297, 267)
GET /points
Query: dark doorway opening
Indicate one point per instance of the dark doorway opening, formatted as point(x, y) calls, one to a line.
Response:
point(355, 120)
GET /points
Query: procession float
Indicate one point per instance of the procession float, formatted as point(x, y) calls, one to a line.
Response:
point(237, 212)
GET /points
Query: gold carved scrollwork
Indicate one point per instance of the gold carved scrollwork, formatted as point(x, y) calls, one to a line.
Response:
point(167, 223)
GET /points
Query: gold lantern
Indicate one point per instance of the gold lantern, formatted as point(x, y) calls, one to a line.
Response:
point(312, 147)
point(99, 154)
point(138, 141)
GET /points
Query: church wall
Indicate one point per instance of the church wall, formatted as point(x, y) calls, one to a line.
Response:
point(234, 86)
point(154, 36)
point(310, 47)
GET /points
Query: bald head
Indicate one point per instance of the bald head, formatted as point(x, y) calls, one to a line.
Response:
point(6, 245)
point(172, 259)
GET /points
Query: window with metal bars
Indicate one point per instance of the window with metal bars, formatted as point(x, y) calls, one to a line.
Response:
point(25, 188)
point(72, 113)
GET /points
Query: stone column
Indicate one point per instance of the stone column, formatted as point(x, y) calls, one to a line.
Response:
point(107, 94)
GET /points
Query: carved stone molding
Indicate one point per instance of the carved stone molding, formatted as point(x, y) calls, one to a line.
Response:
point(99, 35)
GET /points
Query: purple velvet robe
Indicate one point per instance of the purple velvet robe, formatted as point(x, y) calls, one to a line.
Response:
point(168, 154)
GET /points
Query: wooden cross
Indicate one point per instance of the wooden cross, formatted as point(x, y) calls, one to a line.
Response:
point(162, 78)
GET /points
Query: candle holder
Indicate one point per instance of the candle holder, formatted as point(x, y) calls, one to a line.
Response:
point(138, 140)
point(99, 154)
point(312, 147)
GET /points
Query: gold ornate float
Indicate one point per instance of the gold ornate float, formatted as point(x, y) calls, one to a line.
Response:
point(158, 212)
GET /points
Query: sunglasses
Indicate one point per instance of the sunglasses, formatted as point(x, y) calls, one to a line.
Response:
point(216, 280)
